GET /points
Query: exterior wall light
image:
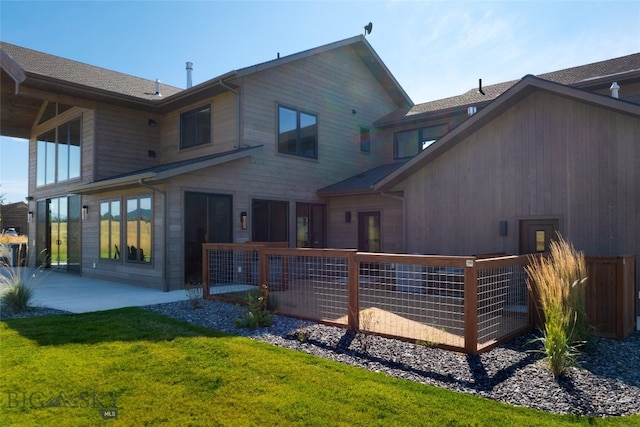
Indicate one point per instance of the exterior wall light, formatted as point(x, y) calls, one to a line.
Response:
point(243, 220)
point(30, 216)
point(85, 212)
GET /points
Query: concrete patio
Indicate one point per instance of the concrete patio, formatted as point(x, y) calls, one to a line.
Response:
point(81, 294)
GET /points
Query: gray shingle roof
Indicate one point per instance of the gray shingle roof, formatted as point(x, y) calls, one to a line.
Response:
point(360, 183)
point(569, 76)
point(54, 67)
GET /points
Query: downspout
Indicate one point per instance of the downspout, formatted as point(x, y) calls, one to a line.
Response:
point(235, 91)
point(404, 217)
point(165, 270)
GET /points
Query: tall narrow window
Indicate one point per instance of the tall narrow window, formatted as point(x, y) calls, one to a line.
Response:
point(139, 233)
point(311, 225)
point(297, 133)
point(195, 127)
point(110, 229)
point(365, 140)
point(58, 154)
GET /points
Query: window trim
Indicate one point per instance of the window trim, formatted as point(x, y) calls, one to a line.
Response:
point(299, 152)
point(196, 111)
point(125, 230)
point(118, 238)
point(419, 142)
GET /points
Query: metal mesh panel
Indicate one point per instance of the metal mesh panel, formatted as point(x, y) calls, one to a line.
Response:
point(232, 272)
point(310, 287)
point(413, 301)
point(502, 302)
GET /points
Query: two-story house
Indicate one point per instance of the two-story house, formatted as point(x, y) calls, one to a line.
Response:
point(129, 177)
point(322, 148)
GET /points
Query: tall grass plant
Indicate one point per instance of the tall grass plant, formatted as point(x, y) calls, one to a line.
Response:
point(558, 282)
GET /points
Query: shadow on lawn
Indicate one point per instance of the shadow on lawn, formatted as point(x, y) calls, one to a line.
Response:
point(126, 324)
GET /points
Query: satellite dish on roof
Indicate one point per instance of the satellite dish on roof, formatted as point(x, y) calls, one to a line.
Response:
point(368, 28)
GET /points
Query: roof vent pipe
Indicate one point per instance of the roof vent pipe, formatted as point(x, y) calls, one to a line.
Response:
point(189, 70)
point(614, 89)
point(471, 111)
point(158, 87)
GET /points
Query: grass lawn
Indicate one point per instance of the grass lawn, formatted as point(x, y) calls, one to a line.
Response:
point(146, 369)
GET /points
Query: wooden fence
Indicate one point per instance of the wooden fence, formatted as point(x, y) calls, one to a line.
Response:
point(611, 295)
point(461, 303)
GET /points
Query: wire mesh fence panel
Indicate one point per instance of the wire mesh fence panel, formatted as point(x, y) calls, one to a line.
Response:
point(413, 301)
point(309, 287)
point(232, 274)
point(502, 302)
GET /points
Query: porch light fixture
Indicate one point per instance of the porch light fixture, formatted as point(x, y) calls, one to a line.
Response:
point(85, 212)
point(243, 220)
point(29, 216)
point(347, 217)
point(503, 228)
point(152, 122)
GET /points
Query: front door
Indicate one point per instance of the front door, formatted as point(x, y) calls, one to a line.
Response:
point(208, 219)
point(536, 235)
point(369, 232)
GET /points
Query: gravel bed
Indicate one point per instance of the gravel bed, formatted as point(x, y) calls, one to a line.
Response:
point(606, 383)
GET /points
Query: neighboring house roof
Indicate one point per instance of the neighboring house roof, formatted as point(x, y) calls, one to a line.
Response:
point(513, 95)
point(158, 173)
point(580, 76)
point(361, 183)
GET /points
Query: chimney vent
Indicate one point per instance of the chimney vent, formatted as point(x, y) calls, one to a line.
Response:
point(614, 89)
point(158, 87)
point(471, 111)
point(189, 70)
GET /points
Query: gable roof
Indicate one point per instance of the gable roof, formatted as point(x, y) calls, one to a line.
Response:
point(504, 101)
point(579, 76)
point(158, 173)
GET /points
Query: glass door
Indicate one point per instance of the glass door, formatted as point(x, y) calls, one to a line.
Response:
point(58, 240)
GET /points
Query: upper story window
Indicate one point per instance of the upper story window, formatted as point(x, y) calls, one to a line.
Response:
point(58, 154)
point(195, 127)
point(297, 133)
point(365, 140)
point(408, 143)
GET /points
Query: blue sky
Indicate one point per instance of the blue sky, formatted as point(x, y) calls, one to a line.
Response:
point(435, 49)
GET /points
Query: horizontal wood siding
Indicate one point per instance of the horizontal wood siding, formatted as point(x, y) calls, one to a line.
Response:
point(123, 141)
point(345, 235)
point(223, 125)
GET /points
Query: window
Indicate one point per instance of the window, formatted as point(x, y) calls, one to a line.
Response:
point(365, 140)
point(195, 127)
point(138, 232)
point(311, 225)
point(58, 154)
point(408, 143)
point(110, 229)
point(297, 133)
point(270, 221)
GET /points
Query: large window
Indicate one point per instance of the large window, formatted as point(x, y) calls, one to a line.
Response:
point(297, 133)
point(311, 225)
point(408, 143)
point(138, 231)
point(270, 221)
point(195, 127)
point(58, 154)
point(110, 229)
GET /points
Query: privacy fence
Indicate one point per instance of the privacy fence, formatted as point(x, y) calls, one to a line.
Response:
point(467, 304)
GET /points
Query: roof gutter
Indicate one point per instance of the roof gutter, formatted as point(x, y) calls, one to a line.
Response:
point(165, 270)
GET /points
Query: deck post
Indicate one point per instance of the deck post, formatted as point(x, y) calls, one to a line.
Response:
point(471, 307)
point(205, 272)
point(353, 272)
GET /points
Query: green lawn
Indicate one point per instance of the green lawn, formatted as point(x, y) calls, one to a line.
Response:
point(73, 370)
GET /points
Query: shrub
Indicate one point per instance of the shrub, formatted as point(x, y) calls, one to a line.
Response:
point(193, 289)
point(16, 289)
point(258, 314)
point(557, 280)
